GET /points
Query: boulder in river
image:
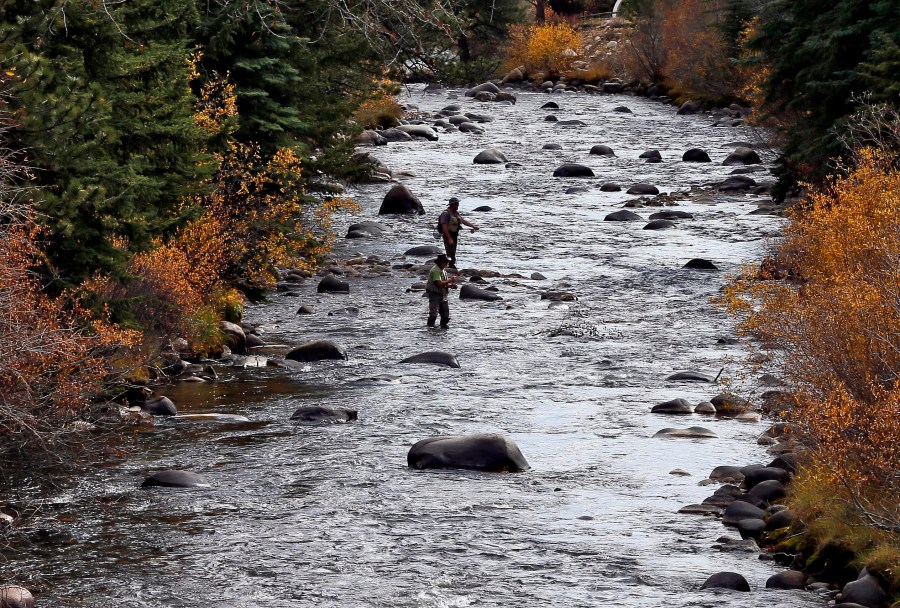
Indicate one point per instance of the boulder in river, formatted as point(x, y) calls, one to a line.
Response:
point(740, 510)
point(550, 105)
point(622, 110)
point(550, 118)
point(602, 150)
point(671, 214)
point(489, 87)
point(470, 292)
point(396, 135)
point(742, 156)
point(470, 127)
point(434, 357)
point(332, 284)
point(659, 225)
point(689, 107)
point(424, 251)
point(319, 350)
point(691, 432)
point(577, 190)
point(651, 154)
point(610, 187)
point(235, 337)
point(551, 147)
point(13, 596)
point(768, 491)
point(789, 579)
point(643, 189)
point(483, 208)
point(323, 415)
point(689, 377)
point(366, 229)
point(726, 580)
point(483, 452)
point(370, 138)
point(160, 406)
point(399, 199)
point(700, 264)
point(754, 476)
point(866, 591)
point(623, 215)
point(673, 406)
point(490, 156)
point(423, 131)
point(570, 123)
point(573, 170)
point(175, 479)
point(696, 155)
point(728, 404)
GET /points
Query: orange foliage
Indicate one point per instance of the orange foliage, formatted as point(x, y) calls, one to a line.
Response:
point(836, 326)
point(545, 48)
point(696, 59)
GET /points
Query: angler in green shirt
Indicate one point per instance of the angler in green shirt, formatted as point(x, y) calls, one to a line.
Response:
point(438, 289)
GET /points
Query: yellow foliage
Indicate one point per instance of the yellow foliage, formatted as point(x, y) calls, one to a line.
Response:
point(543, 48)
point(382, 111)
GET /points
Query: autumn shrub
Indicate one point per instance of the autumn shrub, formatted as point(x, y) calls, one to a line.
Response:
point(548, 49)
point(834, 329)
point(380, 111)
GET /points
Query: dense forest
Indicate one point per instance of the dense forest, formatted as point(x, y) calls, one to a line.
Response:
point(162, 160)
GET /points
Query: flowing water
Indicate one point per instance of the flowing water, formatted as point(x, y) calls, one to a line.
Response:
point(331, 515)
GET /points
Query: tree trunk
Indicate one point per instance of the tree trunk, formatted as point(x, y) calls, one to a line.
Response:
point(540, 9)
point(463, 44)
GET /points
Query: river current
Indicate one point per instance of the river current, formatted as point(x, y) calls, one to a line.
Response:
point(331, 516)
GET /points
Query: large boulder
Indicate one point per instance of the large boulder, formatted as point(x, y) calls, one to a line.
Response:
point(399, 199)
point(789, 579)
point(610, 187)
point(689, 107)
point(490, 156)
point(323, 415)
point(235, 337)
point(602, 150)
point(696, 155)
point(365, 229)
point(484, 452)
point(700, 264)
point(651, 154)
point(573, 170)
point(424, 251)
point(740, 510)
point(174, 479)
point(160, 406)
point(370, 138)
point(671, 214)
point(550, 105)
point(623, 215)
point(736, 183)
point(470, 127)
point(865, 591)
point(768, 491)
point(659, 225)
point(423, 131)
point(319, 350)
point(757, 475)
point(643, 189)
point(489, 87)
point(689, 377)
point(514, 75)
point(13, 596)
point(674, 406)
point(396, 135)
point(332, 284)
point(691, 432)
point(434, 357)
point(622, 110)
point(470, 292)
point(742, 156)
point(728, 404)
point(727, 580)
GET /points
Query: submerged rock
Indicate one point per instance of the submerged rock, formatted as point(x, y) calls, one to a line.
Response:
point(332, 284)
point(434, 358)
point(573, 170)
point(727, 580)
point(175, 479)
point(689, 377)
point(700, 264)
point(490, 156)
point(470, 292)
point(160, 406)
point(691, 432)
point(674, 406)
point(622, 216)
point(322, 414)
point(484, 452)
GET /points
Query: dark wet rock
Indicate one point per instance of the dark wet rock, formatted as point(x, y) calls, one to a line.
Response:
point(622, 110)
point(174, 479)
point(332, 284)
point(513, 76)
point(370, 138)
point(434, 358)
point(400, 200)
point(13, 596)
point(789, 579)
point(458, 119)
point(701, 510)
point(550, 105)
point(751, 528)
point(730, 405)
point(576, 190)
point(570, 123)
point(610, 187)
point(787, 462)
point(483, 452)
point(757, 475)
point(728, 340)
point(673, 406)
point(254, 341)
point(558, 296)
point(865, 591)
point(573, 170)
point(536, 276)
point(486, 96)
point(470, 127)
point(742, 156)
point(602, 150)
point(689, 377)
point(490, 156)
point(651, 154)
point(235, 338)
point(700, 264)
point(361, 230)
point(488, 87)
point(483, 208)
point(734, 545)
point(727, 580)
point(705, 407)
point(479, 118)
point(727, 473)
point(659, 225)
point(422, 131)
point(768, 491)
point(611, 87)
point(781, 519)
point(470, 292)
point(320, 350)
point(451, 109)
point(691, 432)
point(623, 215)
point(696, 155)
point(306, 310)
point(424, 251)
point(160, 406)
point(396, 135)
point(348, 311)
point(551, 147)
point(671, 214)
point(739, 511)
point(643, 189)
point(736, 183)
point(550, 118)
point(689, 107)
point(324, 415)
point(724, 496)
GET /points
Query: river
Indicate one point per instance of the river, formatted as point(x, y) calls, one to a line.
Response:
point(330, 516)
